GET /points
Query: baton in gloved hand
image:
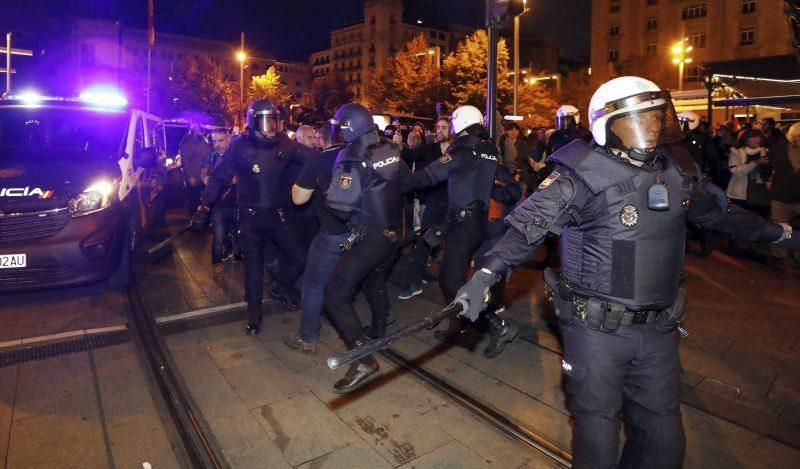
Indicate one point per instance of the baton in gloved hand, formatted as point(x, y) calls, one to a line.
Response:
point(369, 348)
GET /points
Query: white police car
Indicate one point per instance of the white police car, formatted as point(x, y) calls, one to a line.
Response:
point(80, 179)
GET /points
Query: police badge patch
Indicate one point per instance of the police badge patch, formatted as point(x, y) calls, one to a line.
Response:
point(445, 158)
point(549, 180)
point(256, 168)
point(345, 182)
point(629, 215)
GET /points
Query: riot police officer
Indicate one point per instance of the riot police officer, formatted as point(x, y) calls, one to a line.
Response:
point(621, 209)
point(469, 166)
point(259, 159)
point(568, 128)
point(365, 191)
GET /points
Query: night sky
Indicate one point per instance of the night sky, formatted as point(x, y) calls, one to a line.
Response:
point(290, 29)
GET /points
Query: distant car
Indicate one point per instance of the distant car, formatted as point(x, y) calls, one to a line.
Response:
point(80, 180)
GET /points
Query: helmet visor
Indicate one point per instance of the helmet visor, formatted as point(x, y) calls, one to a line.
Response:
point(565, 121)
point(268, 123)
point(645, 128)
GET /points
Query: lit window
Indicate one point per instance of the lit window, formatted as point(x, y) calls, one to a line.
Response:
point(747, 36)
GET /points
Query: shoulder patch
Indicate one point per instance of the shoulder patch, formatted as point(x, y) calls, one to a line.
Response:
point(445, 158)
point(549, 180)
point(345, 182)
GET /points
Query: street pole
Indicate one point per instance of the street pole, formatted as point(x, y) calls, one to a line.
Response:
point(680, 76)
point(516, 61)
point(241, 76)
point(8, 64)
point(491, 72)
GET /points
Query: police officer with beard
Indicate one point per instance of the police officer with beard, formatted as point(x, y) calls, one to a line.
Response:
point(365, 191)
point(259, 160)
point(469, 166)
point(621, 209)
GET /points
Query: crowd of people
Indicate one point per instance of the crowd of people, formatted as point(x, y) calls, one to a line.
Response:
point(613, 200)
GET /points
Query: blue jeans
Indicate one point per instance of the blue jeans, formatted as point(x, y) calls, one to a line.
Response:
point(223, 220)
point(323, 255)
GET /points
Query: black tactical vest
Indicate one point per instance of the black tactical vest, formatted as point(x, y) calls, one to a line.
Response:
point(622, 250)
point(381, 204)
point(473, 179)
point(260, 169)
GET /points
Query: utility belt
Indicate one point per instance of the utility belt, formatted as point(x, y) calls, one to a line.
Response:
point(277, 211)
point(608, 316)
point(357, 234)
point(475, 210)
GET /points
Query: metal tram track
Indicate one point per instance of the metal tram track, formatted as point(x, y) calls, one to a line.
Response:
point(480, 409)
point(142, 325)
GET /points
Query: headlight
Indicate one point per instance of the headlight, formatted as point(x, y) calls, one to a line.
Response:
point(96, 197)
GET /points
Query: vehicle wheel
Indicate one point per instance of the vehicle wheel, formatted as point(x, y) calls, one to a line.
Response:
point(121, 276)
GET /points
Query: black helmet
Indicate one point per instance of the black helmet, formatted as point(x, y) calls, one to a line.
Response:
point(264, 118)
point(353, 120)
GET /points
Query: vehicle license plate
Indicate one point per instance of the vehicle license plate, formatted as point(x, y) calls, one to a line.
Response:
point(13, 261)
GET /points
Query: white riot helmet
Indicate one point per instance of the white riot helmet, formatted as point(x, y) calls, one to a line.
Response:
point(688, 119)
point(565, 114)
point(634, 115)
point(464, 117)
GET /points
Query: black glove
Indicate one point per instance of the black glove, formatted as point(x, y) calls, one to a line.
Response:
point(474, 295)
point(199, 220)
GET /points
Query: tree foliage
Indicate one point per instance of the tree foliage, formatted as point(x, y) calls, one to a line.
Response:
point(465, 74)
point(537, 104)
point(197, 86)
point(327, 95)
point(410, 83)
point(268, 86)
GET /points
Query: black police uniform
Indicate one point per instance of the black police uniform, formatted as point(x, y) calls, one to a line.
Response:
point(469, 167)
point(375, 225)
point(618, 300)
point(260, 168)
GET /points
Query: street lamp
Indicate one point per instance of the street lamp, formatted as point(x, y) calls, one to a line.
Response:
point(516, 51)
point(680, 57)
point(241, 56)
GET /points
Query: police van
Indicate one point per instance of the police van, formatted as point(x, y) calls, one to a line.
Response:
point(80, 180)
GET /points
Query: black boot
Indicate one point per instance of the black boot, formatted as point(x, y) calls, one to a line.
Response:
point(358, 374)
point(287, 296)
point(500, 334)
point(454, 333)
point(253, 326)
point(376, 330)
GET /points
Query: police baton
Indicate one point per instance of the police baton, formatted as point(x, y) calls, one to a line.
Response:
point(168, 241)
point(369, 348)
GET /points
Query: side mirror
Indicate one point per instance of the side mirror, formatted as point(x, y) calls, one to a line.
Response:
point(146, 158)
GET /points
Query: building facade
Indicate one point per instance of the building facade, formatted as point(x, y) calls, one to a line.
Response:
point(82, 51)
point(630, 36)
point(360, 50)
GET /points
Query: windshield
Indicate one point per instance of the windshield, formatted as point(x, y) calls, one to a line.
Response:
point(65, 133)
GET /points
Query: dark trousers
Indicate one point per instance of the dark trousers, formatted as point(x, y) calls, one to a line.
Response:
point(365, 268)
point(432, 216)
point(257, 228)
point(464, 237)
point(193, 195)
point(324, 253)
point(637, 371)
point(223, 220)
